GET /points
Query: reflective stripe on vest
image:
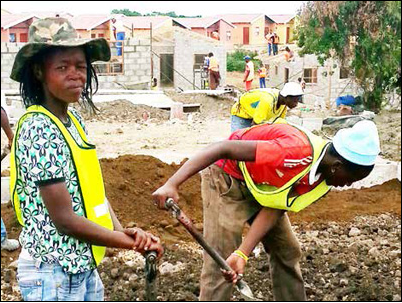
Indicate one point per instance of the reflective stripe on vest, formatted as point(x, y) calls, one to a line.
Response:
point(279, 198)
point(89, 176)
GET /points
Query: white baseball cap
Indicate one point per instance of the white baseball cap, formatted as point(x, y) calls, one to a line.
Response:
point(291, 89)
point(359, 144)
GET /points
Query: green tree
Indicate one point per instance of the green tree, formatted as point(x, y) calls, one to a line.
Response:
point(364, 35)
point(235, 61)
point(126, 12)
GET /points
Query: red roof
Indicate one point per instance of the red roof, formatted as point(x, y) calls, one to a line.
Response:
point(204, 22)
point(240, 18)
point(89, 22)
point(281, 18)
point(11, 20)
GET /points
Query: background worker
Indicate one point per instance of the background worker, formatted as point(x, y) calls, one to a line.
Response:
point(7, 244)
point(5, 126)
point(213, 68)
point(259, 105)
point(275, 44)
point(254, 178)
point(302, 83)
point(262, 74)
point(270, 39)
point(56, 182)
point(119, 34)
point(289, 55)
point(248, 73)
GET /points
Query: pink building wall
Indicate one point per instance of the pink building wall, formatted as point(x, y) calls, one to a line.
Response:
point(21, 28)
point(222, 28)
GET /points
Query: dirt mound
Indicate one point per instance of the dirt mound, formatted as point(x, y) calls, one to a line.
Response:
point(389, 128)
point(212, 107)
point(130, 182)
point(336, 265)
point(125, 111)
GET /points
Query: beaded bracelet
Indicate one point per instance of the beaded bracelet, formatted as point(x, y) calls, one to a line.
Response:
point(242, 255)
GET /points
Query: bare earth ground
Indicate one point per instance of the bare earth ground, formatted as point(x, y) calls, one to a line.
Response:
point(351, 240)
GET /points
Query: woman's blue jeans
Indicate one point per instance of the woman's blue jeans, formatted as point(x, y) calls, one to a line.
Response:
point(239, 123)
point(48, 282)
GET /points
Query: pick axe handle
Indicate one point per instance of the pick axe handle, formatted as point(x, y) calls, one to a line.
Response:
point(187, 223)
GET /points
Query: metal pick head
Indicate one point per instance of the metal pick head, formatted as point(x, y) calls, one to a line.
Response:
point(245, 291)
point(173, 207)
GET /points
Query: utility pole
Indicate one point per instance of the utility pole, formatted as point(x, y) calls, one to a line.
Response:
point(152, 56)
point(329, 83)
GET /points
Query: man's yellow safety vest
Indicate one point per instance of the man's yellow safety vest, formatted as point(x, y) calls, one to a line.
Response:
point(89, 175)
point(279, 198)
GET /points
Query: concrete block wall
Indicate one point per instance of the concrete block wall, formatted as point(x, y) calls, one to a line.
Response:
point(161, 49)
point(321, 89)
point(8, 53)
point(137, 65)
point(186, 46)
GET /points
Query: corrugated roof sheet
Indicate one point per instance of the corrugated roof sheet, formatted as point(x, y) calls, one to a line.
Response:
point(281, 18)
point(88, 22)
point(240, 18)
point(144, 22)
point(14, 19)
point(203, 22)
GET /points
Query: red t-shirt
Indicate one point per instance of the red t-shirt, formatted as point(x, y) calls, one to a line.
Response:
point(282, 152)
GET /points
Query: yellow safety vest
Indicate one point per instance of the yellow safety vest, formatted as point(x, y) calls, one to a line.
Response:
point(246, 107)
point(279, 198)
point(89, 174)
point(263, 72)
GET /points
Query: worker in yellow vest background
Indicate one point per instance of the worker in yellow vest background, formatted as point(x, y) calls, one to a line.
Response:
point(254, 178)
point(264, 104)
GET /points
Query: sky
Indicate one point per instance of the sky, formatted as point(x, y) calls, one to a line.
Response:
point(189, 8)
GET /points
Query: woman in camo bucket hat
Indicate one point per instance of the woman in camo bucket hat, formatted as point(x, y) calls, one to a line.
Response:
point(55, 178)
point(46, 36)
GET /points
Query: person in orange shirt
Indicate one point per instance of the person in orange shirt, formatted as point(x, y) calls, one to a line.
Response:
point(249, 72)
point(262, 74)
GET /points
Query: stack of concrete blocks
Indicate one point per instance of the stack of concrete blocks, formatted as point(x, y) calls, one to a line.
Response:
point(8, 52)
point(188, 44)
point(137, 66)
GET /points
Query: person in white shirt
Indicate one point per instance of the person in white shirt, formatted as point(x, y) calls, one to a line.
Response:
point(249, 72)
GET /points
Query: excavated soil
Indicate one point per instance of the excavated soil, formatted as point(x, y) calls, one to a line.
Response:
point(125, 112)
point(130, 181)
point(336, 264)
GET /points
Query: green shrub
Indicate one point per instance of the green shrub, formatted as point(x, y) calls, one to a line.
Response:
point(236, 63)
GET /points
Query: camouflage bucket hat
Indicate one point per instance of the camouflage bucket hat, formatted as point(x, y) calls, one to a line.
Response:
point(51, 32)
